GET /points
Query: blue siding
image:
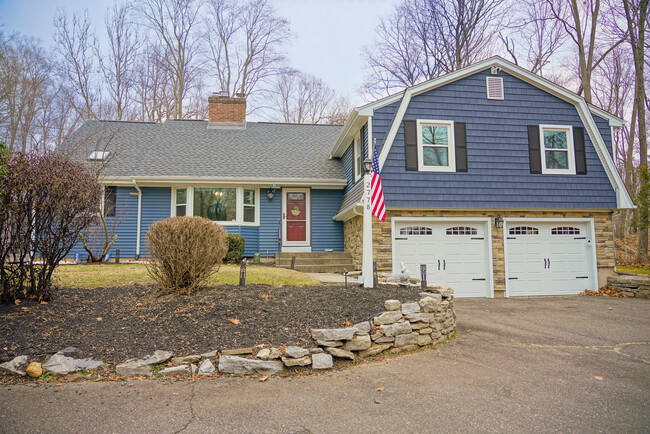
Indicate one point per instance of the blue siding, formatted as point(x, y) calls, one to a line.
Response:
point(381, 120)
point(325, 232)
point(606, 132)
point(156, 205)
point(497, 152)
point(252, 236)
point(270, 214)
point(348, 166)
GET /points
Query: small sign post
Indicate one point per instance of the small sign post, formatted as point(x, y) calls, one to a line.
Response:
point(242, 273)
point(423, 276)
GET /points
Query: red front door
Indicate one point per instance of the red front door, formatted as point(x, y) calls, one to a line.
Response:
point(296, 217)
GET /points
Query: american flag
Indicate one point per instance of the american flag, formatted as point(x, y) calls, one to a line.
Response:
point(376, 192)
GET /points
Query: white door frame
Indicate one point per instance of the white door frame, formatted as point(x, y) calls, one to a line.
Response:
point(487, 221)
point(296, 246)
point(592, 235)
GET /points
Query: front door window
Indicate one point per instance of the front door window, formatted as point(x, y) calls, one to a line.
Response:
point(296, 214)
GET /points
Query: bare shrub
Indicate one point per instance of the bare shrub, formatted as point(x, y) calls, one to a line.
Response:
point(185, 252)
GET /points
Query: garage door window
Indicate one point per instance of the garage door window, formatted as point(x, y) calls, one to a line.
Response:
point(523, 230)
point(461, 230)
point(565, 230)
point(416, 230)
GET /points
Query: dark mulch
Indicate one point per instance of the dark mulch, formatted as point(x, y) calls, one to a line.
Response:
point(113, 324)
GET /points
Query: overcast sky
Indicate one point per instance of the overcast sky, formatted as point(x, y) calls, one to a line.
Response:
point(329, 34)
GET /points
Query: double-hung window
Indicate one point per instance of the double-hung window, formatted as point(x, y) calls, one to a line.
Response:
point(436, 146)
point(556, 146)
point(358, 157)
point(225, 205)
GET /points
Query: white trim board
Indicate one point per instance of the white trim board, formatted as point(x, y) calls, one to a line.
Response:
point(623, 198)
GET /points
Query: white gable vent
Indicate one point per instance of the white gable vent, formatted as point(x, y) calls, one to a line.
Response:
point(494, 87)
point(98, 155)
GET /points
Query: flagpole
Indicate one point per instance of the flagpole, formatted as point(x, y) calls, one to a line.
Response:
point(367, 272)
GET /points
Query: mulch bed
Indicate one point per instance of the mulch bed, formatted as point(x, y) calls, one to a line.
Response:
point(114, 324)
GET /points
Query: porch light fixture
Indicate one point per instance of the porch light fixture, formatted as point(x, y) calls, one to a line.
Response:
point(270, 192)
point(367, 165)
point(498, 221)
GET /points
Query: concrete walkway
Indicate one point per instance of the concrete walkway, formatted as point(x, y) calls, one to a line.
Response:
point(332, 278)
point(547, 364)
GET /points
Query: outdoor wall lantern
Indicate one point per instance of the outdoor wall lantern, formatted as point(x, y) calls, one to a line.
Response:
point(367, 164)
point(498, 221)
point(270, 192)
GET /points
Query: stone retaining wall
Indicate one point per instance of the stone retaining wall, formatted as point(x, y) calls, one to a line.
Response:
point(632, 286)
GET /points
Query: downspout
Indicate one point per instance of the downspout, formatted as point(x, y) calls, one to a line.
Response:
point(137, 232)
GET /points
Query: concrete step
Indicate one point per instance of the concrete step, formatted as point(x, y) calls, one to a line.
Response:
point(313, 261)
point(313, 255)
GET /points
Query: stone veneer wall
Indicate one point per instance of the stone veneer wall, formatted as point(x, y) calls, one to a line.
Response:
point(632, 286)
point(382, 243)
point(353, 239)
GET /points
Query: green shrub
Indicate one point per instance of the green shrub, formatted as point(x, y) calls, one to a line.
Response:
point(185, 252)
point(236, 247)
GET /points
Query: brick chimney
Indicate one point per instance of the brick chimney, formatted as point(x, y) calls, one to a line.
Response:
point(224, 110)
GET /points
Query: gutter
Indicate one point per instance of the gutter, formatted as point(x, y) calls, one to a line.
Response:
point(137, 232)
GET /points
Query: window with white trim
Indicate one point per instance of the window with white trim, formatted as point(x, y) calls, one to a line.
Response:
point(358, 157)
point(436, 146)
point(565, 230)
point(461, 230)
point(523, 230)
point(416, 230)
point(224, 205)
point(556, 146)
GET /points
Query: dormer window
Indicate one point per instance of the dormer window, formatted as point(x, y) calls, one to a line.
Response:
point(98, 155)
point(436, 146)
point(557, 149)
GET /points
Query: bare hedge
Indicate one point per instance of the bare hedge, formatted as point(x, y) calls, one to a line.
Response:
point(185, 252)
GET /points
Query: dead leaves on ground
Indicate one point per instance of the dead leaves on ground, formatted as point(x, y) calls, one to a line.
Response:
point(234, 321)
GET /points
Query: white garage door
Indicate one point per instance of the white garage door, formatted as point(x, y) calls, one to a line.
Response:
point(455, 253)
point(548, 258)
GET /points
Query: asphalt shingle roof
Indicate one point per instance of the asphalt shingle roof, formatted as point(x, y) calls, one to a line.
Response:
point(190, 148)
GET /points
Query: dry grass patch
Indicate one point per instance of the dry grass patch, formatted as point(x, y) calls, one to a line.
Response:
point(107, 275)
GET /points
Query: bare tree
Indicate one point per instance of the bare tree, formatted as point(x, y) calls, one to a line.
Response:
point(77, 64)
point(118, 64)
point(174, 25)
point(152, 88)
point(296, 97)
point(245, 39)
point(425, 38)
point(539, 35)
point(583, 23)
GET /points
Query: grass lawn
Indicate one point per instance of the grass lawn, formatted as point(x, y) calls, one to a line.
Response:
point(106, 275)
point(635, 269)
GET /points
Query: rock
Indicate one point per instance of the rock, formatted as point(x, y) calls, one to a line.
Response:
point(387, 318)
point(329, 343)
point(322, 361)
point(210, 355)
point(341, 353)
point(133, 368)
point(358, 343)
point(419, 325)
point(186, 360)
point(264, 354)
point(241, 366)
point(429, 304)
point(397, 350)
point(392, 305)
point(363, 328)
point(384, 340)
point(419, 317)
point(157, 357)
point(436, 335)
point(403, 340)
point(302, 361)
point(275, 354)
point(34, 370)
point(443, 305)
point(237, 352)
point(444, 291)
point(408, 308)
point(206, 367)
point(316, 350)
point(74, 378)
point(375, 349)
point(432, 295)
point(193, 368)
point(62, 365)
point(174, 370)
point(399, 328)
point(295, 353)
point(68, 351)
point(376, 335)
point(424, 340)
point(333, 334)
point(426, 331)
point(15, 366)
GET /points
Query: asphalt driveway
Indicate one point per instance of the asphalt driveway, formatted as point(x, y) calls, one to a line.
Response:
point(528, 365)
